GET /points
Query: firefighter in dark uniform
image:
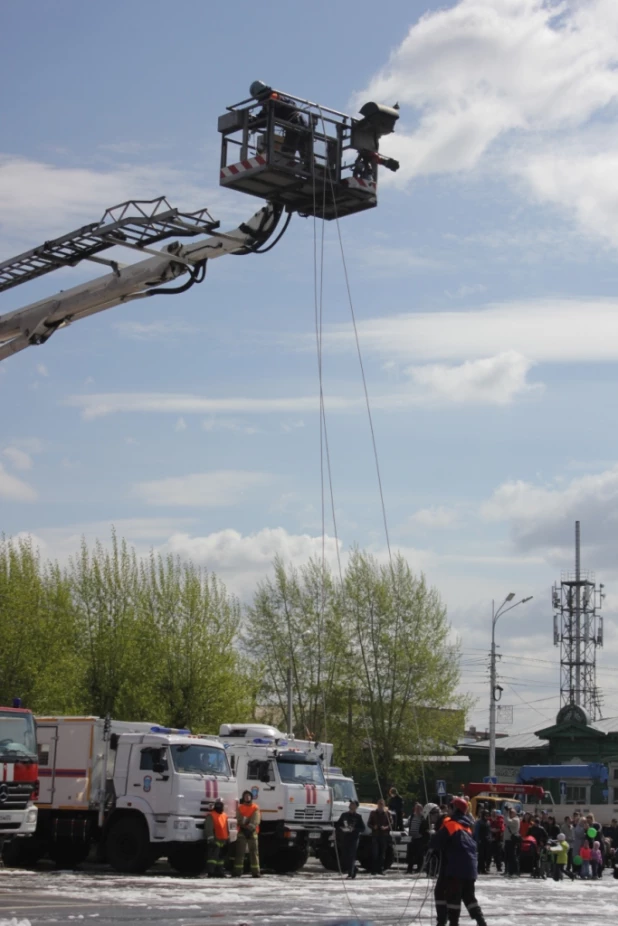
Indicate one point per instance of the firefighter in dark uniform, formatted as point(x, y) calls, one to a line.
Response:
point(295, 134)
point(455, 848)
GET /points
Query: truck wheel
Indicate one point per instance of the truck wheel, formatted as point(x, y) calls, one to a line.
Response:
point(128, 846)
point(21, 853)
point(188, 859)
point(290, 860)
point(68, 856)
point(328, 857)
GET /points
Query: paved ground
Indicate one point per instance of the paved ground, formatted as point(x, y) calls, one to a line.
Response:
point(311, 896)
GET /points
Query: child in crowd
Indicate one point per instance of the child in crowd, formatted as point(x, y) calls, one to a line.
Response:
point(585, 854)
point(561, 856)
point(596, 861)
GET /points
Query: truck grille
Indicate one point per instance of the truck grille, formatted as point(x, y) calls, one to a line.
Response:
point(14, 795)
point(309, 814)
point(9, 827)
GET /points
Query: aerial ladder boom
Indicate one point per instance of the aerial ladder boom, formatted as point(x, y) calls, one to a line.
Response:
point(297, 155)
point(34, 324)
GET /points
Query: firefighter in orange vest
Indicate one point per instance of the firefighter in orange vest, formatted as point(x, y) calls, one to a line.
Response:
point(248, 820)
point(217, 835)
point(455, 848)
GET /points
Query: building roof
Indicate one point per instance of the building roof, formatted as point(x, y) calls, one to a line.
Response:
point(516, 741)
point(607, 725)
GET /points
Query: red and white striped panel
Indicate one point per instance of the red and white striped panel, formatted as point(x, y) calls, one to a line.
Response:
point(311, 794)
point(233, 170)
point(355, 183)
point(8, 771)
point(212, 789)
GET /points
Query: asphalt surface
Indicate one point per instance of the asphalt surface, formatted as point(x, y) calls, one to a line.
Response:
point(312, 896)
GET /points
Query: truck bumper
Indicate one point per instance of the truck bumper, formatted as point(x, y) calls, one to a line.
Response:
point(18, 823)
point(184, 829)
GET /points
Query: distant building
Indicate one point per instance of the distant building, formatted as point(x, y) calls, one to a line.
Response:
point(572, 740)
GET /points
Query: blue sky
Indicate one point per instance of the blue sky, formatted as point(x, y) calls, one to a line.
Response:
point(484, 286)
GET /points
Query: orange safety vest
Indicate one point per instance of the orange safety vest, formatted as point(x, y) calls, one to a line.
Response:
point(219, 821)
point(247, 810)
point(453, 826)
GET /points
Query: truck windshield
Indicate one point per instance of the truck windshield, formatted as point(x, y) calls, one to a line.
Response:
point(205, 760)
point(300, 772)
point(343, 790)
point(17, 735)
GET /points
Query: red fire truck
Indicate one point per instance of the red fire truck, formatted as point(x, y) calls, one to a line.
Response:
point(19, 773)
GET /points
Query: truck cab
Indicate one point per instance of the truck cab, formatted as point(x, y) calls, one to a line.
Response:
point(287, 780)
point(18, 774)
point(174, 779)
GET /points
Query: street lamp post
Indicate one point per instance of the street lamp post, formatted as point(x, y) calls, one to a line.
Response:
point(493, 700)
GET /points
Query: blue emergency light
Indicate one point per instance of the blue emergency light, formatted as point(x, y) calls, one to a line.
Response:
point(169, 730)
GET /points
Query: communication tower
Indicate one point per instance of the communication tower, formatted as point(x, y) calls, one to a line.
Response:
point(578, 630)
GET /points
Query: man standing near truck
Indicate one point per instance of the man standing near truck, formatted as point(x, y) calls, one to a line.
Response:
point(217, 835)
point(380, 825)
point(248, 820)
point(348, 828)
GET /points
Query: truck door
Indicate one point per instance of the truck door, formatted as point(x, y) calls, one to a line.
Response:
point(47, 738)
point(151, 776)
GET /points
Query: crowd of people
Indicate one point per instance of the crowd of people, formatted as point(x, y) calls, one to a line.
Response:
point(538, 845)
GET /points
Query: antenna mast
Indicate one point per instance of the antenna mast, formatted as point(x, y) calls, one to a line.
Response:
point(578, 630)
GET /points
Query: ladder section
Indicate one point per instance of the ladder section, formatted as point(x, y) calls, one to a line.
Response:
point(134, 224)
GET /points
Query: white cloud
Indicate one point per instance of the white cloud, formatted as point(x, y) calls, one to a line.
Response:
point(216, 489)
point(243, 560)
point(181, 425)
point(162, 330)
point(581, 177)
point(486, 67)
point(492, 380)
point(19, 458)
point(53, 199)
point(15, 489)
point(543, 330)
point(542, 516)
point(219, 423)
point(438, 517)
point(42, 369)
point(20, 451)
point(517, 86)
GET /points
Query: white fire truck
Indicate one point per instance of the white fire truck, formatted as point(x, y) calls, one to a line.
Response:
point(137, 790)
point(287, 779)
point(18, 774)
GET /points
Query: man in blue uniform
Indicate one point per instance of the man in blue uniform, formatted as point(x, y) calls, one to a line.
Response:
point(455, 847)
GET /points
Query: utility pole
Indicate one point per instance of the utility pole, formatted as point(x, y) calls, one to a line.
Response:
point(493, 686)
point(290, 708)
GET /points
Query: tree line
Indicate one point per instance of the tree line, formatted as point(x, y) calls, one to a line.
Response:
point(160, 639)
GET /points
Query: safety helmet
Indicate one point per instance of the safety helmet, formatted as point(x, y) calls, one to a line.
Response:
point(459, 803)
point(218, 805)
point(244, 796)
point(259, 90)
point(430, 808)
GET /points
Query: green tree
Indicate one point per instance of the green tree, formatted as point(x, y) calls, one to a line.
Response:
point(295, 623)
point(39, 661)
point(199, 679)
point(373, 669)
point(409, 675)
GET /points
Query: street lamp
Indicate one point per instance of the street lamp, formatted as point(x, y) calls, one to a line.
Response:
point(493, 687)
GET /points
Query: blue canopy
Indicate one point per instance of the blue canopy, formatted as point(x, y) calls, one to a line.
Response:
point(529, 773)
